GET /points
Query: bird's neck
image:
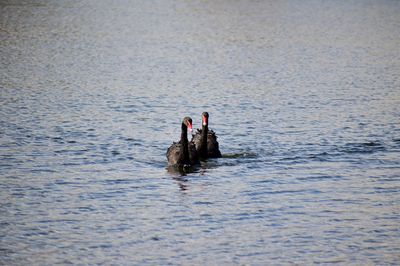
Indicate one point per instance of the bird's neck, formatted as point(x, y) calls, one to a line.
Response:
point(203, 142)
point(184, 145)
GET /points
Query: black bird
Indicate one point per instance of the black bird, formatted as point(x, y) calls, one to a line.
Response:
point(206, 141)
point(183, 153)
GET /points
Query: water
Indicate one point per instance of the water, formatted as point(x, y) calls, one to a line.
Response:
point(304, 96)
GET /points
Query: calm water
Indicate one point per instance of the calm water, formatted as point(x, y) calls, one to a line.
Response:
point(304, 96)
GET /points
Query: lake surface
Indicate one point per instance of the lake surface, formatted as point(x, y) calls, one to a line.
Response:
point(304, 97)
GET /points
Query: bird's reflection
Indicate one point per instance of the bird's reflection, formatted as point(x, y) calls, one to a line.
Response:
point(180, 174)
point(180, 170)
point(182, 183)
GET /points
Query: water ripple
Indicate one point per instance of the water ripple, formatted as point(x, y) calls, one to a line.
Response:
point(302, 95)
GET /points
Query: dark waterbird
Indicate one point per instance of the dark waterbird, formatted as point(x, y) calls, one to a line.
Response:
point(206, 141)
point(183, 153)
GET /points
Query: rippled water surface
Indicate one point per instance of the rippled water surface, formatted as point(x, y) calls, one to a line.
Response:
point(304, 96)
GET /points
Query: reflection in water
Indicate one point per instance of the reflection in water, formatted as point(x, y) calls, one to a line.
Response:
point(182, 182)
point(182, 170)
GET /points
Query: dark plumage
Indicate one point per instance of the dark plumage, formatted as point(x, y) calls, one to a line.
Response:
point(183, 153)
point(205, 141)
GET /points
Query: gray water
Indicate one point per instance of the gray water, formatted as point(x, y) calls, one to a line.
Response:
point(304, 96)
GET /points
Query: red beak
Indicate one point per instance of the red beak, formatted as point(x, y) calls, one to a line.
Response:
point(189, 126)
point(205, 122)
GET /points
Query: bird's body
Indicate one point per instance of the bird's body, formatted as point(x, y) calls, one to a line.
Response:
point(175, 154)
point(205, 141)
point(183, 153)
point(212, 144)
